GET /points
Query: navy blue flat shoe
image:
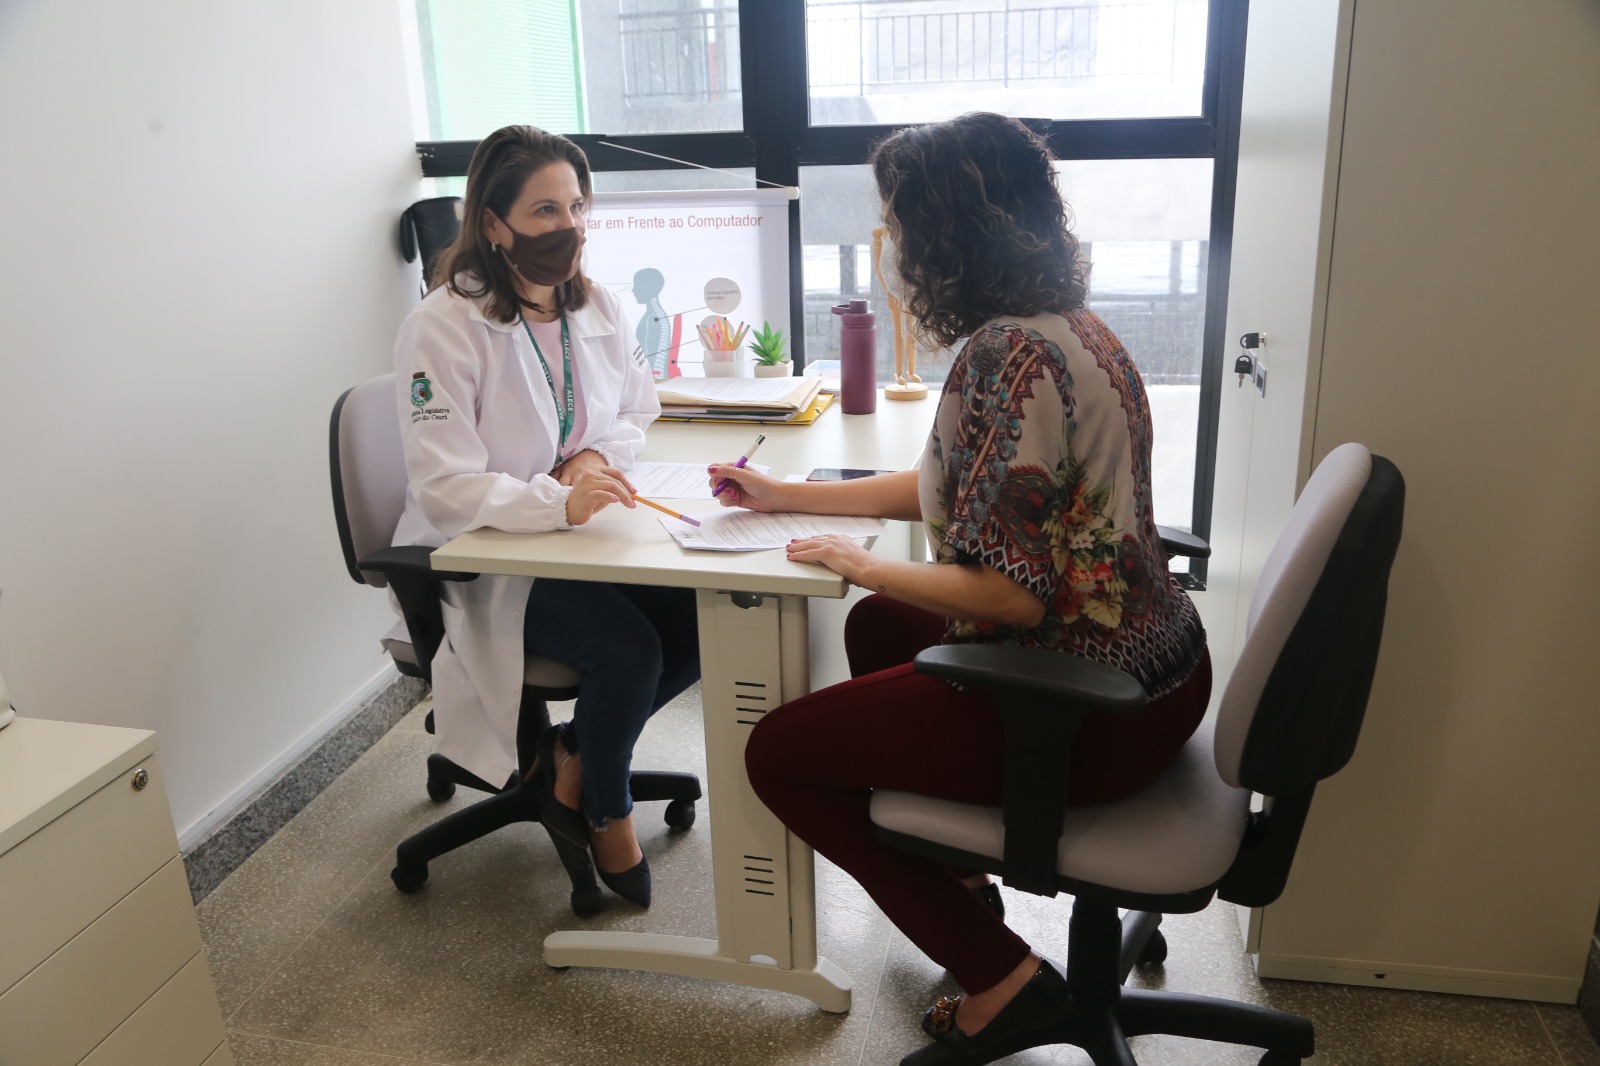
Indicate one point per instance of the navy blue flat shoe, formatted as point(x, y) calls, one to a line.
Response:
point(569, 832)
point(566, 828)
point(632, 884)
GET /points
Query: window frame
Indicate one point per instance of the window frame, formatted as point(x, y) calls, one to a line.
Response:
point(778, 140)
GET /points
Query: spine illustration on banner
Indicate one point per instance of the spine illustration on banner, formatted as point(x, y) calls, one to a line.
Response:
point(658, 332)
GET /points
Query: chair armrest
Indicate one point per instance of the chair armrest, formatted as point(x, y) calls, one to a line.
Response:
point(1008, 668)
point(1177, 542)
point(410, 559)
point(416, 585)
point(1043, 696)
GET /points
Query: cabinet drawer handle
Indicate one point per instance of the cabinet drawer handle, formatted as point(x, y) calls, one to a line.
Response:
point(141, 778)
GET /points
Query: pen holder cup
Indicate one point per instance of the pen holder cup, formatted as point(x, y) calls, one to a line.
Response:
point(722, 364)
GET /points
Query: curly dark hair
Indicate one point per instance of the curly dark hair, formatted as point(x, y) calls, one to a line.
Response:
point(979, 226)
point(500, 167)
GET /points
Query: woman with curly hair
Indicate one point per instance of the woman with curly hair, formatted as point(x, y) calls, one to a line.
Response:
point(1035, 487)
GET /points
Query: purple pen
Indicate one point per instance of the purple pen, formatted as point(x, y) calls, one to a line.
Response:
point(743, 459)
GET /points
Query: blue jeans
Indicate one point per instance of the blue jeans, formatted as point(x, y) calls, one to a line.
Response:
point(636, 647)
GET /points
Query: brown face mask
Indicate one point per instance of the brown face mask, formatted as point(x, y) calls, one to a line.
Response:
point(548, 259)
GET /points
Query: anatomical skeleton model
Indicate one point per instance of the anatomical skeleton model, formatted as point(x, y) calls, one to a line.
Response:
point(906, 384)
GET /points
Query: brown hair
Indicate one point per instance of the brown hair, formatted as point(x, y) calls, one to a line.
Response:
point(500, 167)
point(979, 225)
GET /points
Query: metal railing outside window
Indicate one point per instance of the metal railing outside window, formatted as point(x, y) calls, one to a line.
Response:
point(866, 46)
point(680, 56)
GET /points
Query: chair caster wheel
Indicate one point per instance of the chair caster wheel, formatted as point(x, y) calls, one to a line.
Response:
point(1155, 953)
point(1279, 1058)
point(440, 790)
point(586, 902)
point(409, 879)
point(680, 814)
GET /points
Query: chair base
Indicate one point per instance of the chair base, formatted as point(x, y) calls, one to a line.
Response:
point(516, 801)
point(1102, 952)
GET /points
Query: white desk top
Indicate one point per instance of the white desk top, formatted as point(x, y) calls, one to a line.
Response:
point(629, 545)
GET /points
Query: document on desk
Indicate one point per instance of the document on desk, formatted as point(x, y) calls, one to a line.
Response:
point(676, 481)
point(733, 529)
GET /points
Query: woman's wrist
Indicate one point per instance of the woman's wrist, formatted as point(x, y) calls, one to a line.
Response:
point(870, 576)
point(606, 456)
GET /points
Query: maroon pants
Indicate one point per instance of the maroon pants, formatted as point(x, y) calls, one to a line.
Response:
point(815, 762)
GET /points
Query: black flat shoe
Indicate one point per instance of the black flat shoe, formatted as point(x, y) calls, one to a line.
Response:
point(990, 894)
point(569, 832)
point(632, 884)
point(567, 829)
point(1030, 1019)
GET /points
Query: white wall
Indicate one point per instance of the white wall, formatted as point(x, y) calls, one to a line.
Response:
point(198, 203)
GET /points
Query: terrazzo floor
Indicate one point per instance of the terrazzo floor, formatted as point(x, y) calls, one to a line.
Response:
point(319, 961)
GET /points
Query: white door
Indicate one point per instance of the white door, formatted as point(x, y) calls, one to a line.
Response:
point(1292, 110)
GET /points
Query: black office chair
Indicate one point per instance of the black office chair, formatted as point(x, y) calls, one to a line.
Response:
point(1289, 717)
point(367, 464)
point(426, 228)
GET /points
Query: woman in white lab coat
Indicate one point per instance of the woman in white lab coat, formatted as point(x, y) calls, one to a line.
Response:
point(521, 408)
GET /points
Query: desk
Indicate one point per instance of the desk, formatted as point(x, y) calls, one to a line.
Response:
point(755, 653)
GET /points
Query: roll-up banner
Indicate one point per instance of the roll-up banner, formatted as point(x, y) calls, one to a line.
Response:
point(681, 261)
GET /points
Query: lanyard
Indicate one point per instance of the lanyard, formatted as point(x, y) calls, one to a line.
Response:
point(569, 411)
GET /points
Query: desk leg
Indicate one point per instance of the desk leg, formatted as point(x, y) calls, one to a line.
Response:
point(752, 659)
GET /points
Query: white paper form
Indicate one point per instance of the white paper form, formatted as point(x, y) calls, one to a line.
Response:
point(677, 481)
point(734, 529)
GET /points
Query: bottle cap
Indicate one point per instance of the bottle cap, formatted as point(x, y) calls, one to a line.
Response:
point(855, 313)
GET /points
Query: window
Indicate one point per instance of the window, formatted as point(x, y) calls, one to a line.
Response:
point(923, 60)
point(641, 66)
point(1137, 98)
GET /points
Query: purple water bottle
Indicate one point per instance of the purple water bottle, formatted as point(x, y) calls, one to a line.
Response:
point(858, 358)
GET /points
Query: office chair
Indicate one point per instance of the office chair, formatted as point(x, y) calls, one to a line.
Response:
point(426, 228)
point(367, 463)
point(1289, 717)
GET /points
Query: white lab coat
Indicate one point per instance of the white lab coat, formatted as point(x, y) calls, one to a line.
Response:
point(478, 453)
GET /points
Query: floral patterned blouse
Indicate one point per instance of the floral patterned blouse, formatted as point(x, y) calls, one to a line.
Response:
point(1039, 466)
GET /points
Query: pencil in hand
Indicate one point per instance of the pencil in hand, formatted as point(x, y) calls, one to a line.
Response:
point(667, 510)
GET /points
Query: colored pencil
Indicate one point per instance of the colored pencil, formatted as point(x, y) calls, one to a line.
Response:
point(667, 510)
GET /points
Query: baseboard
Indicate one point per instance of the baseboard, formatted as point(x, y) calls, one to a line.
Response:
point(217, 844)
point(1535, 987)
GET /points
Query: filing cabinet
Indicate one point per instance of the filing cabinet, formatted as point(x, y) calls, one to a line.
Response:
point(100, 956)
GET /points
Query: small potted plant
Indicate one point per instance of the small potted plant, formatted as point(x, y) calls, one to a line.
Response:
point(771, 352)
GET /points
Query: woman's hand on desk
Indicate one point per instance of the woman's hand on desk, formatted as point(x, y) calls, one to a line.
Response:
point(595, 490)
point(843, 555)
point(743, 487)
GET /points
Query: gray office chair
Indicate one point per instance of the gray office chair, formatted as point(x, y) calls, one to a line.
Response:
point(367, 464)
point(1289, 717)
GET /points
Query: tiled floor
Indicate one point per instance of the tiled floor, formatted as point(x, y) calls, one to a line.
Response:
point(320, 962)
